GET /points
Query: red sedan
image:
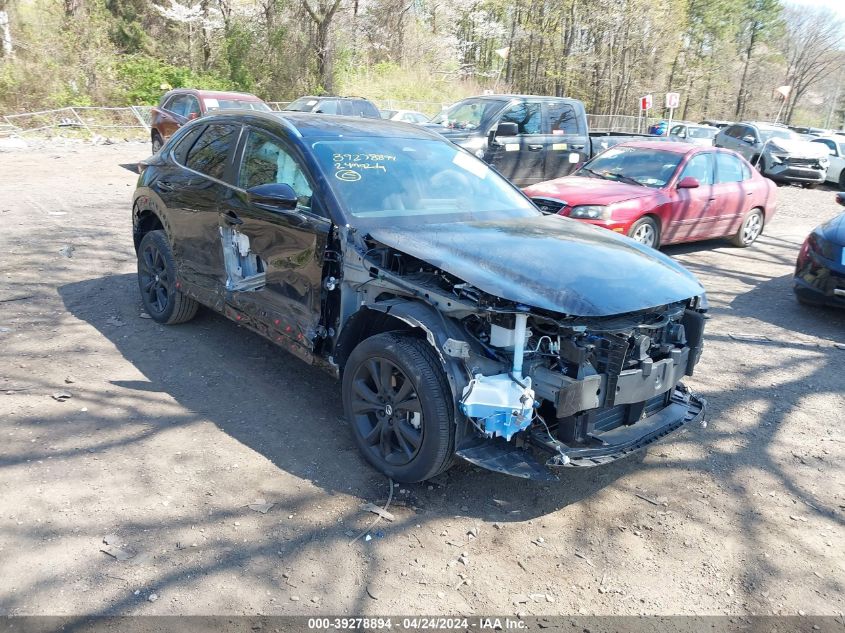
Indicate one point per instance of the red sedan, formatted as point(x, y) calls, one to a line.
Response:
point(662, 193)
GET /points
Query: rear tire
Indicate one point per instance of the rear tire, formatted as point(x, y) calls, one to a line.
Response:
point(842, 180)
point(163, 301)
point(398, 402)
point(750, 230)
point(645, 231)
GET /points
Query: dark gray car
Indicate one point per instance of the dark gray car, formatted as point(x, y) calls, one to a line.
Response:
point(776, 151)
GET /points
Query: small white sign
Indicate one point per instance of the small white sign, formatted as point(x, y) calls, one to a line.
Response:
point(673, 99)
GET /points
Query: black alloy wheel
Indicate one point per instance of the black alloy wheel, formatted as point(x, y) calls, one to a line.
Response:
point(398, 402)
point(162, 298)
point(153, 278)
point(387, 411)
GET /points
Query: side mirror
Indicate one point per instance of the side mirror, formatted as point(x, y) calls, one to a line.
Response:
point(193, 115)
point(507, 129)
point(279, 196)
point(688, 182)
point(840, 198)
point(749, 139)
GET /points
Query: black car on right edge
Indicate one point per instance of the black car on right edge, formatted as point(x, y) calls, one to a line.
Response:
point(820, 269)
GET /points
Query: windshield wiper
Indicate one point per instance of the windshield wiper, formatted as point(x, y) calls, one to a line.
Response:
point(594, 173)
point(622, 178)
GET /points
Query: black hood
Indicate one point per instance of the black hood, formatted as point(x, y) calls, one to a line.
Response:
point(834, 230)
point(549, 262)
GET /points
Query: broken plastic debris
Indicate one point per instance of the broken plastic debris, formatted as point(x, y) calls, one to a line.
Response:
point(67, 250)
point(61, 396)
point(384, 514)
point(117, 552)
point(144, 315)
point(111, 539)
point(260, 505)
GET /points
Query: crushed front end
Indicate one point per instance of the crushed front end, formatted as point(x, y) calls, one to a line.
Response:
point(535, 389)
point(600, 388)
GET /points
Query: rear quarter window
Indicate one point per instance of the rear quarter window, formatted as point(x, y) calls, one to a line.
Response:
point(209, 154)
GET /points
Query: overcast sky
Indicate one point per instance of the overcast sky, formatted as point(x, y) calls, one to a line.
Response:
point(837, 6)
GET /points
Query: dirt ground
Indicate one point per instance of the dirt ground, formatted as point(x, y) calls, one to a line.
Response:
point(170, 432)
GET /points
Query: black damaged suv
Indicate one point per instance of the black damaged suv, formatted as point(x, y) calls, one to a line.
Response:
point(461, 320)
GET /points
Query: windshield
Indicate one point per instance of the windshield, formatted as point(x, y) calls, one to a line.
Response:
point(468, 114)
point(765, 135)
point(634, 165)
point(701, 132)
point(235, 104)
point(397, 181)
point(303, 104)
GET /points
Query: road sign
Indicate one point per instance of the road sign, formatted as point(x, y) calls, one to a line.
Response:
point(645, 102)
point(673, 99)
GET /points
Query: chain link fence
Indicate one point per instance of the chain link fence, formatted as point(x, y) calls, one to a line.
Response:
point(90, 121)
point(134, 121)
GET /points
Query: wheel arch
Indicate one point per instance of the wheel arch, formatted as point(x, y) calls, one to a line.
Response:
point(146, 220)
point(414, 317)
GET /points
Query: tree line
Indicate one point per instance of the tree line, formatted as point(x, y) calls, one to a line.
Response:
point(725, 57)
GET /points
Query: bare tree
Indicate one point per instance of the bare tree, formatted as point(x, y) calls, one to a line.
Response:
point(6, 49)
point(813, 49)
point(321, 15)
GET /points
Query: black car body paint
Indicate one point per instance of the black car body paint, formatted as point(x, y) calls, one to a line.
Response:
point(598, 329)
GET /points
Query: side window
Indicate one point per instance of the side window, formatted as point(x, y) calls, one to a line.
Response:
point(177, 105)
point(749, 131)
point(734, 131)
point(329, 106)
point(208, 155)
point(678, 130)
point(700, 167)
point(728, 168)
point(180, 150)
point(526, 115)
point(830, 145)
point(562, 118)
point(266, 161)
point(192, 106)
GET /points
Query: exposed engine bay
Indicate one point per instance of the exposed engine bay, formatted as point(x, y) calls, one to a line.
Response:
point(582, 390)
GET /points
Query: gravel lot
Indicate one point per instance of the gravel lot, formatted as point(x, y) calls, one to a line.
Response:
point(171, 432)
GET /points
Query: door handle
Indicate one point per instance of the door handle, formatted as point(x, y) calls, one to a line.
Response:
point(232, 219)
point(535, 148)
point(164, 185)
point(577, 146)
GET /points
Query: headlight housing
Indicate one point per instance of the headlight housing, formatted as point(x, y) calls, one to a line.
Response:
point(824, 161)
point(590, 212)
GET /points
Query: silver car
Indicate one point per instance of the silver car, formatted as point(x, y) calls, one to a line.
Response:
point(777, 152)
point(694, 133)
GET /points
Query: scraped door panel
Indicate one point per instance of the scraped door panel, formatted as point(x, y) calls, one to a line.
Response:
point(274, 257)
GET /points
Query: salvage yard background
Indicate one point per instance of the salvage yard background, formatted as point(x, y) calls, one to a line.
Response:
point(157, 439)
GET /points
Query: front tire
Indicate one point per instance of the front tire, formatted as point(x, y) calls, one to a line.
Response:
point(751, 229)
point(645, 231)
point(158, 143)
point(398, 402)
point(163, 301)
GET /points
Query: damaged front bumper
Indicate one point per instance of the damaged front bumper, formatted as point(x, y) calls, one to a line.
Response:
point(610, 439)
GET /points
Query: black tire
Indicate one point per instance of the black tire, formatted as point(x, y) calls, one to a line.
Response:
point(760, 164)
point(645, 231)
point(750, 230)
point(398, 402)
point(157, 282)
point(811, 185)
point(157, 142)
point(842, 180)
